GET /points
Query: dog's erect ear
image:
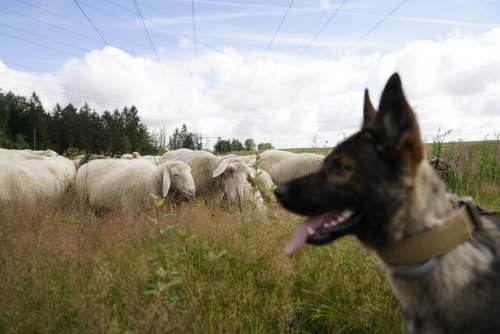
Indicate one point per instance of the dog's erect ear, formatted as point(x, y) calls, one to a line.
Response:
point(368, 111)
point(397, 125)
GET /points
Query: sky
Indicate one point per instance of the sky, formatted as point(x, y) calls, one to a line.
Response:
point(291, 73)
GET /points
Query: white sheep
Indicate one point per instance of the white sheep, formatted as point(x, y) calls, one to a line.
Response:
point(215, 177)
point(264, 180)
point(127, 156)
point(127, 185)
point(179, 154)
point(14, 155)
point(31, 182)
point(249, 159)
point(79, 161)
point(296, 166)
point(46, 153)
point(94, 156)
point(153, 158)
point(268, 159)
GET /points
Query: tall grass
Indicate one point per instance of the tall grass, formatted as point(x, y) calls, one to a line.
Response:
point(473, 168)
point(195, 270)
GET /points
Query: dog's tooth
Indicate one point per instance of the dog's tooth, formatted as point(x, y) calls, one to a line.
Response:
point(310, 230)
point(347, 213)
point(333, 223)
point(341, 219)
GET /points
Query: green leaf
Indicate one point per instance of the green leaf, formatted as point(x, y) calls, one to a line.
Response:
point(152, 292)
point(174, 281)
point(161, 286)
point(161, 272)
point(166, 228)
point(159, 201)
point(222, 253)
point(211, 256)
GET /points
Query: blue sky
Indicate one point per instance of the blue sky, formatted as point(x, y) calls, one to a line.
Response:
point(291, 73)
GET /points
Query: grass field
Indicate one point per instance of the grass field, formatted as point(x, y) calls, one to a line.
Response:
point(199, 269)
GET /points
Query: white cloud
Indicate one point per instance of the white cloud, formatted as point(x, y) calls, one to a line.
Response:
point(453, 83)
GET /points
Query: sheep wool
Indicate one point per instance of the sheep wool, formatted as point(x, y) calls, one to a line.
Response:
point(127, 185)
point(30, 182)
point(296, 166)
point(215, 177)
point(268, 159)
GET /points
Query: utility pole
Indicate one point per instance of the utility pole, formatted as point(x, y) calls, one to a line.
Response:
point(34, 133)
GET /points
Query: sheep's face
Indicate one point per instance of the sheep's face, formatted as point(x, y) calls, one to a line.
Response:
point(182, 180)
point(234, 180)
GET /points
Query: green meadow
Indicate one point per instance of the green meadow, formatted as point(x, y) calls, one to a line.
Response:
point(195, 268)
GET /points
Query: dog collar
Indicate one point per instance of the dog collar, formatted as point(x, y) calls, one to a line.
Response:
point(412, 272)
point(432, 243)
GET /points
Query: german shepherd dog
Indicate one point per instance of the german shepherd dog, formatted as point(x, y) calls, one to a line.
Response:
point(440, 253)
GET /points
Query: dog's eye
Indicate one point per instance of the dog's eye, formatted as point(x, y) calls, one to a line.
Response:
point(340, 168)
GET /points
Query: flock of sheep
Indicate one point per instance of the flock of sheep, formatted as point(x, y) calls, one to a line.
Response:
point(29, 178)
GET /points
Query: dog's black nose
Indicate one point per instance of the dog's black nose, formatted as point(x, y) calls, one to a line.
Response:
point(281, 191)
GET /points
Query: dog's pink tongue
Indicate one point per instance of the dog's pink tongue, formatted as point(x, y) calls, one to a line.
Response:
point(301, 234)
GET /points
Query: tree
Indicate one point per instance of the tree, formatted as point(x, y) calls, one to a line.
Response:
point(184, 139)
point(69, 127)
point(25, 124)
point(13, 117)
point(265, 146)
point(250, 144)
point(159, 140)
point(222, 146)
point(38, 135)
point(236, 145)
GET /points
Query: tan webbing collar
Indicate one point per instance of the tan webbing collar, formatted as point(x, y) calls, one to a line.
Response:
point(434, 242)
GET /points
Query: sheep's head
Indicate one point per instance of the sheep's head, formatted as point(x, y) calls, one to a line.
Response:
point(234, 173)
point(179, 178)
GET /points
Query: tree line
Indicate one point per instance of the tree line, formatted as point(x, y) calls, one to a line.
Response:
point(25, 124)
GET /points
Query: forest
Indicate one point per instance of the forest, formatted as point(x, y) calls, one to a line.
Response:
point(25, 124)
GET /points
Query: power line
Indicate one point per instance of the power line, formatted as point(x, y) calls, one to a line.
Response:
point(156, 53)
point(354, 44)
point(147, 31)
point(92, 23)
point(38, 44)
point(70, 21)
point(265, 56)
point(194, 32)
point(97, 9)
point(279, 27)
point(41, 36)
point(377, 25)
point(310, 42)
point(49, 24)
point(322, 28)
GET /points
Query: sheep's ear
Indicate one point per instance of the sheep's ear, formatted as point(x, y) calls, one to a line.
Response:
point(166, 182)
point(221, 168)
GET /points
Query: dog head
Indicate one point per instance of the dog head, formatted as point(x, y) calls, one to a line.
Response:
point(363, 181)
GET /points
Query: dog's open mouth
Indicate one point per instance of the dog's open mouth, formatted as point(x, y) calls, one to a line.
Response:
point(323, 228)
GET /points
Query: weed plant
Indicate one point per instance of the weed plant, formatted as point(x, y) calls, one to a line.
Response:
point(190, 269)
point(473, 168)
point(197, 268)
